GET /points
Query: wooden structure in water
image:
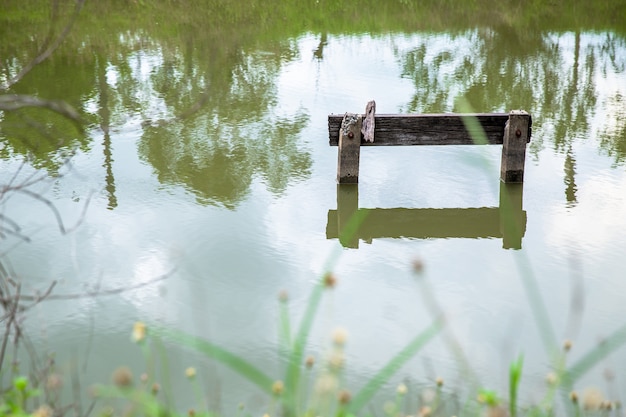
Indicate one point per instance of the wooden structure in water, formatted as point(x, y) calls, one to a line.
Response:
point(351, 131)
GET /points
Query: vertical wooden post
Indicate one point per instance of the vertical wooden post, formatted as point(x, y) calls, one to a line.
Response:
point(347, 207)
point(349, 149)
point(514, 146)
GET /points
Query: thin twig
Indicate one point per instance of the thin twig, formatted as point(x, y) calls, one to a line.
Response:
point(76, 391)
point(88, 294)
point(48, 203)
point(7, 334)
point(82, 216)
point(4, 232)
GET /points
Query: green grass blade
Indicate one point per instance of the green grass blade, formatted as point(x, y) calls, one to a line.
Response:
point(351, 228)
point(284, 327)
point(591, 359)
point(515, 375)
point(210, 350)
point(538, 307)
point(540, 312)
point(292, 378)
point(374, 384)
point(475, 130)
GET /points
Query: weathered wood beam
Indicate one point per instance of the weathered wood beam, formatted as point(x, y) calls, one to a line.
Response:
point(426, 129)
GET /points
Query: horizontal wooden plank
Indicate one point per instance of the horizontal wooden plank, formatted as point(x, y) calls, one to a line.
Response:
point(425, 129)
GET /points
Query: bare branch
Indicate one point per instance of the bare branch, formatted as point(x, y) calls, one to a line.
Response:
point(11, 102)
point(31, 179)
point(47, 50)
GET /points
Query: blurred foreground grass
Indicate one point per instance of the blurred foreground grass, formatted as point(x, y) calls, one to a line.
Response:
point(309, 387)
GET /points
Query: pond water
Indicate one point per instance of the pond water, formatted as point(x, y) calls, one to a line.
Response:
point(204, 185)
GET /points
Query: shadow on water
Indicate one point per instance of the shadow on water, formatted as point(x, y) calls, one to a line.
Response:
point(507, 221)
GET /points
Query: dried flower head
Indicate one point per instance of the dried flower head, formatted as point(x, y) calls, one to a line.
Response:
point(330, 280)
point(42, 411)
point(418, 266)
point(573, 396)
point(326, 384)
point(139, 332)
point(344, 396)
point(439, 381)
point(191, 412)
point(567, 345)
point(592, 398)
point(54, 382)
point(309, 362)
point(606, 405)
point(336, 361)
point(278, 387)
point(122, 377)
point(425, 411)
point(156, 388)
point(552, 378)
point(190, 372)
point(340, 336)
point(497, 411)
point(402, 389)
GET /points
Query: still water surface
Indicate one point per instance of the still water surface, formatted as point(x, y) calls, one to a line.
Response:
point(230, 205)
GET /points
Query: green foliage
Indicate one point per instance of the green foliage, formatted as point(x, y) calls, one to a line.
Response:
point(290, 393)
point(15, 401)
point(488, 397)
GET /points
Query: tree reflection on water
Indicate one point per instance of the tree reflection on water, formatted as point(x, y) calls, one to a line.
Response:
point(203, 84)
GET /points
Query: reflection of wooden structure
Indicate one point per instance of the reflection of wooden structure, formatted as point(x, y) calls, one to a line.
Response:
point(350, 223)
point(511, 130)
